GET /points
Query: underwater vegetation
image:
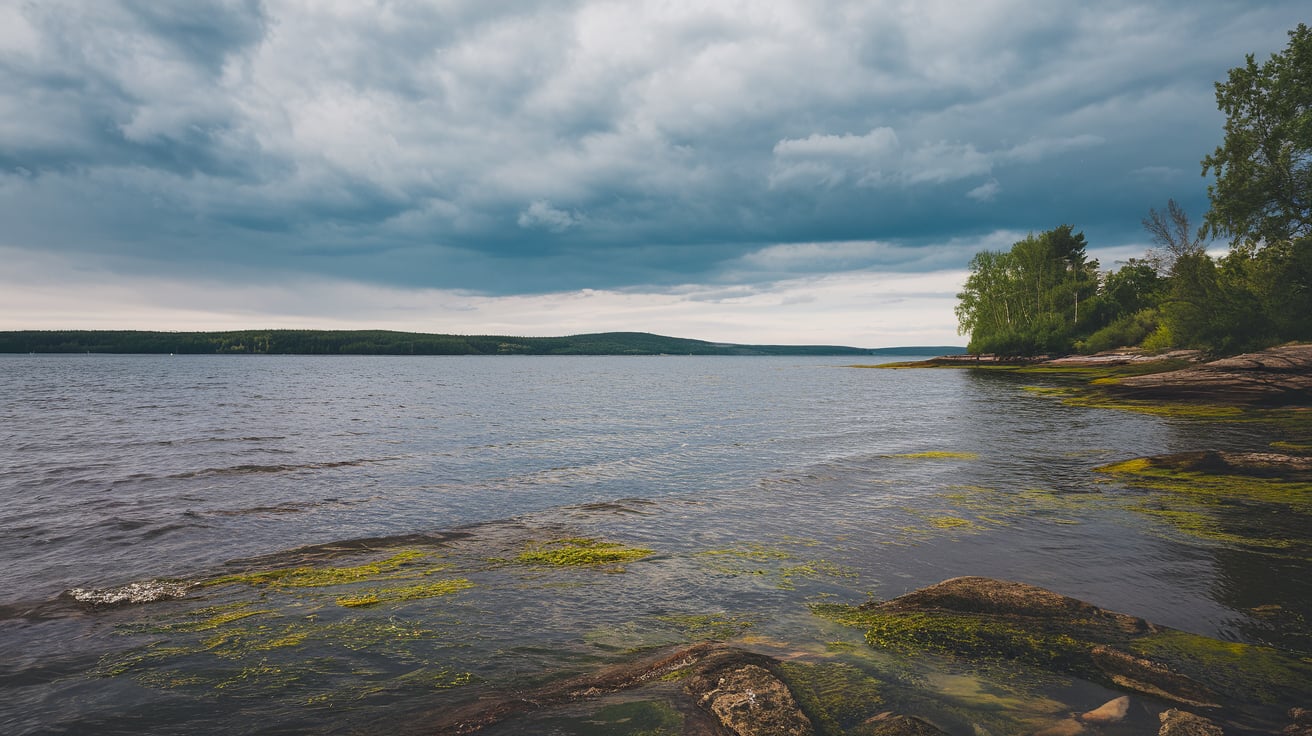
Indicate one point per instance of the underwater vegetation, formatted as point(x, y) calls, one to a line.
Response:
point(317, 577)
point(579, 551)
point(1203, 497)
point(784, 567)
point(935, 455)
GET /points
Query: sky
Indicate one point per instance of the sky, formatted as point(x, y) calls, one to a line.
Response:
point(784, 172)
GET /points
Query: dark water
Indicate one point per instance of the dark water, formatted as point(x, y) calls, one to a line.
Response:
point(760, 484)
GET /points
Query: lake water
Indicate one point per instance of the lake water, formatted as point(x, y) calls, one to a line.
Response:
point(759, 484)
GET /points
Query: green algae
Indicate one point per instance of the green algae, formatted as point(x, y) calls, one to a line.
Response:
point(1215, 488)
point(753, 558)
point(707, 626)
point(935, 455)
point(1265, 674)
point(835, 695)
point(1300, 448)
point(200, 619)
point(962, 635)
point(636, 718)
point(580, 551)
point(1092, 399)
point(318, 577)
point(405, 593)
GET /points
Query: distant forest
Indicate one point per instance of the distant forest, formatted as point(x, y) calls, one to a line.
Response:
point(385, 342)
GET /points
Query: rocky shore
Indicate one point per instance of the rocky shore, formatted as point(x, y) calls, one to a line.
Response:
point(1170, 682)
point(1280, 376)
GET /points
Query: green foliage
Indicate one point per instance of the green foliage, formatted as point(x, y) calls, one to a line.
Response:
point(1132, 329)
point(1027, 301)
point(1263, 188)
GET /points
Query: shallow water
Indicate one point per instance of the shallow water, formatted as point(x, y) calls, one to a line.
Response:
point(759, 484)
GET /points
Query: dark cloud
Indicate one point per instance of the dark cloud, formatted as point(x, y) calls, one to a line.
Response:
point(546, 145)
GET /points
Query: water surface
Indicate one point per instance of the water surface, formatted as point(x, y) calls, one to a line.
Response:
point(760, 485)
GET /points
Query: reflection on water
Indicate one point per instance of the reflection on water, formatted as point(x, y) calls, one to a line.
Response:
point(759, 484)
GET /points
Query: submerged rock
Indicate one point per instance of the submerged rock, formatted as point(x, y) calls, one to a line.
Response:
point(892, 724)
point(993, 597)
point(1180, 723)
point(1067, 727)
point(1113, 711)
point(981, 619)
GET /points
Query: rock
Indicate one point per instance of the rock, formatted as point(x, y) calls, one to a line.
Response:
point(891, 724)
point(1179, 723)
point(1151, 678)
point(1068, 727)
point(1254, 464)
point(1005, 598)
point(1030, 624)
point(1301, 723)
point(750, 701)
point(1113, 711)
point(1278, 376)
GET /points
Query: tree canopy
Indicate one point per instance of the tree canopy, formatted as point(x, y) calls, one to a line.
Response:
point(1027, 300)
point(1263, 188)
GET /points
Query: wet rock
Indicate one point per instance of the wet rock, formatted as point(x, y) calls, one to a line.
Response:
point(748, 700)
point(1254, 464)
point(1278, 376)
point(982, 595)
point(1151, 678)
point(891, 724)
point(1180, 723)
point(1113, 711)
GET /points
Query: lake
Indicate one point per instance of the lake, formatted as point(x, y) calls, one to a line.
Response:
point(756, 486)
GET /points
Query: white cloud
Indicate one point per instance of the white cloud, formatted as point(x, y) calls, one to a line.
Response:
point(541, 214)
point(879, 158)
point(986, 192)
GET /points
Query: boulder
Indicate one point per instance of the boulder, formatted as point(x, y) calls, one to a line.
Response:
point(749, 700)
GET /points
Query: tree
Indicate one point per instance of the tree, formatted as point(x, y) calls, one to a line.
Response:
point(1172, 231)
point(1263, 188)
point(1028, 300)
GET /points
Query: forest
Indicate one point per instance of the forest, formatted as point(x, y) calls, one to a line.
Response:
point(387, 342)
point(1046, 296)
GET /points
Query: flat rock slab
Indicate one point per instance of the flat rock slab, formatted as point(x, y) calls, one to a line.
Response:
point(1280, 376)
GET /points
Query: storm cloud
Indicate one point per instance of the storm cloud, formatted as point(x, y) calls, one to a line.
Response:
point(540, 147)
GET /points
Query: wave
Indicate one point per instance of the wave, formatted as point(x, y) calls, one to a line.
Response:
point(147, 591)
point(282, 468)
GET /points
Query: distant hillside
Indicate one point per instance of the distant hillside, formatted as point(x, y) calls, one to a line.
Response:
point(385, 342)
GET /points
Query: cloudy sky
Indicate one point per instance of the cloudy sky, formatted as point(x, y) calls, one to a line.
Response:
point(809, 171)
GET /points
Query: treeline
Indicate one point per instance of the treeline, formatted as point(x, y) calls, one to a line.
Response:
point(385, 342)
point(1045, 296)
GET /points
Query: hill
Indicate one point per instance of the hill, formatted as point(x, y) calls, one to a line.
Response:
point(386, 342)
